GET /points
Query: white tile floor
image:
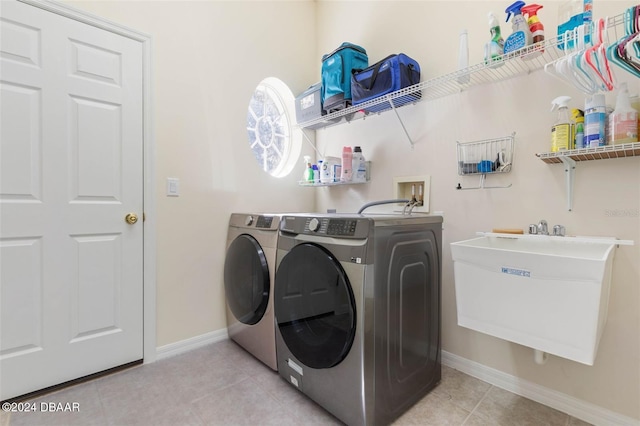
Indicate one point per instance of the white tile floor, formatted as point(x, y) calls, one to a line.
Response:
point(221, 384)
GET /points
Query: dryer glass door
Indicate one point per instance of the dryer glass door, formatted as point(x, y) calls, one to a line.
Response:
point(314, 306)
point(246, 279)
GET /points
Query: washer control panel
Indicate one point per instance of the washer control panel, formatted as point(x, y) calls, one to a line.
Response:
point(327, 226)
point(342, 227)
point(339, 227)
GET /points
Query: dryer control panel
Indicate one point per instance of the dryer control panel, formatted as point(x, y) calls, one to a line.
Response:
point(264, 222)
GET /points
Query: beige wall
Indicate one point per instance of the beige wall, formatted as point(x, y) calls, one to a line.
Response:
point(428, 31)
point(207, 59)
point(208, 56)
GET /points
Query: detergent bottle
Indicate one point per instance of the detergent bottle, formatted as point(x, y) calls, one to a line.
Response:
point(535, 26)
point(494, 49)
point(623, 122)
point(562, 130)
point(521, 36)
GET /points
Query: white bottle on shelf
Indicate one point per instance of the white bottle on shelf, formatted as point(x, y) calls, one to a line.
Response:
point(463, 57)
point(359, 166)
point(623, 122)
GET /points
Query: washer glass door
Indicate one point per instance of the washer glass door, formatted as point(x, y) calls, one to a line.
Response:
point(314, 306)
point(246, 279)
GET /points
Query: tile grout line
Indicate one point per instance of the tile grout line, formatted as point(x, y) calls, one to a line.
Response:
point(477, 405)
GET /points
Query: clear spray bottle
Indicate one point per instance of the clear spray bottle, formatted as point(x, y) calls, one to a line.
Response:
point(494, 49)
point(562, 130)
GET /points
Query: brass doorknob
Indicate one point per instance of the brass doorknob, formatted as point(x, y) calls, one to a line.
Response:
point(131, 218)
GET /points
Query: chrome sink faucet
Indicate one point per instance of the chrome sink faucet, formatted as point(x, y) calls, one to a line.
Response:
point(542, 228)
point(559, 230)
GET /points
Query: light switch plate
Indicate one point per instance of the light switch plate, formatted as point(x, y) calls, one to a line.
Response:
point(173, 187)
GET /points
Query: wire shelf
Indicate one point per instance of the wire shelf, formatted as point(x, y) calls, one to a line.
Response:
point(596, 153)
point(520, 62)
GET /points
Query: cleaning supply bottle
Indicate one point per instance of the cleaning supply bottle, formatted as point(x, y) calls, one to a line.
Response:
point(562, 130)
point(307, 176)
point(494, 49)
point(571, 15)
point(578, 118)
point(521, 36)
point(595, 115)
point(623, 122)
point(359, 166)
point(535, 26)
point(346, 173)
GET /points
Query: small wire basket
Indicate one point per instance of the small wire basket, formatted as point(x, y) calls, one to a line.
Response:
point(486, 156)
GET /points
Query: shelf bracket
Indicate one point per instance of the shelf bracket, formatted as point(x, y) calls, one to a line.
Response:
point(569, 173)
point(304, 135)
point(400, 120)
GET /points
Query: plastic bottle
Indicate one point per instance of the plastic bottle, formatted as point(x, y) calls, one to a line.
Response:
point(463, 57)
point(346, 172)
point(595, 115)
point(578, 117)
point(623, 122)
point(562, 130)
point(359, 166)
point(521, 36)
point(536, 28)
point(327, 172)
point(494, 49)
point(316, 174)
point(571, 15)
point(308, 171)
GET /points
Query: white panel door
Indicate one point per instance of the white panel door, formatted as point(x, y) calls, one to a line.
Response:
point(71, 169)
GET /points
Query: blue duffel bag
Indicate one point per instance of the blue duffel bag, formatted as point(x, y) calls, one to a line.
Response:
point(336, 75)
point(391, 74)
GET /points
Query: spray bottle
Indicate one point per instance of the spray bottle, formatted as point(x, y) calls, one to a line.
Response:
point(521, 36)
point(494, 49)
point(536, 27)
point(562, 130)
point(307, 176)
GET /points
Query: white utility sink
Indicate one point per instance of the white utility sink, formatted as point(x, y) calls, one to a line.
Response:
point(545, 292)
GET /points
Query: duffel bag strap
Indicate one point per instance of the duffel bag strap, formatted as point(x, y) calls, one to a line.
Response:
point(408, 71)
point(376, 69)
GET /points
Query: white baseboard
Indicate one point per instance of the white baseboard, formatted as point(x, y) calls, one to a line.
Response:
point(562, 402)
point(187, 345)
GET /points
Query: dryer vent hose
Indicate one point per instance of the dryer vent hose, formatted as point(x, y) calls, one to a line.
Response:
point(377, 203)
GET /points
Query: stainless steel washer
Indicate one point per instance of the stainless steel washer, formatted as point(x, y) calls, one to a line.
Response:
point(357, 311)
point(249, 270)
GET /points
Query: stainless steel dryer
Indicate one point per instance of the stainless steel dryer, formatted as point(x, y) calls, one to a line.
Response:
point(357, 307)
point(249, 270)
